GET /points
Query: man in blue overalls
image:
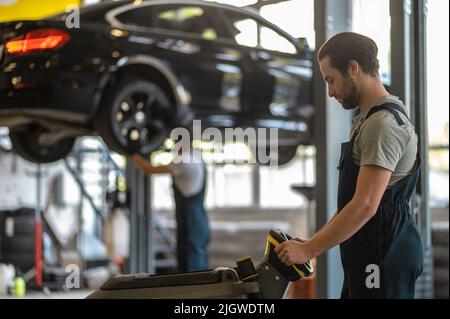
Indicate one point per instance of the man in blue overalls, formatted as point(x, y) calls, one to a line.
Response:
point(189, 185)
point(378, 172)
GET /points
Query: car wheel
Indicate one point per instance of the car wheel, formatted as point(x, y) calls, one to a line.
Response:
point(26, 143)
point(134, 117)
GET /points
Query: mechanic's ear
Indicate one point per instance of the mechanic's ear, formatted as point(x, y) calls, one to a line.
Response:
point(353, 68)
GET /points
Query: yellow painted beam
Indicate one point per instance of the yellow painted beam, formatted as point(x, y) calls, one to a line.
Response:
point(11, 10)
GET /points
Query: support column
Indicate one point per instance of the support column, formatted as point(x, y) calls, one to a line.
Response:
point(408, 47)
point(331, 128)
point(141, 224)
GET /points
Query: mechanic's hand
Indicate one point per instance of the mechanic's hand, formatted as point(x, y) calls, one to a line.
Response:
point(293, 252)
point(300, 240)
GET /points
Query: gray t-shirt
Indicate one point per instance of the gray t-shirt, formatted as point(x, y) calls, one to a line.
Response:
point(382, 142)
point(189, 174)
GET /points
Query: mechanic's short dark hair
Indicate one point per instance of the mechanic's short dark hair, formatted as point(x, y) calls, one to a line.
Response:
point(347, 46)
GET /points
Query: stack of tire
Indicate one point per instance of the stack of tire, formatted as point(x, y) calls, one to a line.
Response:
point(440, 252)
point(17, 242)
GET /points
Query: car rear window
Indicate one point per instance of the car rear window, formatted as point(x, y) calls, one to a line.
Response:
point(187, 18)
point(141, 16)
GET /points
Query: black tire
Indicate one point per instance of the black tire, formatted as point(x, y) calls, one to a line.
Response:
point(22, 244)
point(25, 142)
point(134, 117)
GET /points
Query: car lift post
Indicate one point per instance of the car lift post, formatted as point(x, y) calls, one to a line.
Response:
point(141, 225)
point(38, 228)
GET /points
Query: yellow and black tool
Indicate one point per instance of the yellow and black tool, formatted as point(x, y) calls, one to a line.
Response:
point(271, 274)
point(293, 272)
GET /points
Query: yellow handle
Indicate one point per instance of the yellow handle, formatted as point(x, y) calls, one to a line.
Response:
point(275, 243)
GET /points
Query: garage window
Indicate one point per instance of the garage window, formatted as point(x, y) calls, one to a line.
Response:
point(271, 40)
point(299, 25)
point(243, 29)
point(438, 101)
point(249, 32)
point(247, 186)
point(364, 13)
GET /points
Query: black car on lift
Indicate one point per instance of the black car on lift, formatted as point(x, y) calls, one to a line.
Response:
point(132, 71)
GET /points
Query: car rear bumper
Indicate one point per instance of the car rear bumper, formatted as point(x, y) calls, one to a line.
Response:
point(51, 102)
point(37, 85)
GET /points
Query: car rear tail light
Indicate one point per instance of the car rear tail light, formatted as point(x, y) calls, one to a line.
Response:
point(38, 40)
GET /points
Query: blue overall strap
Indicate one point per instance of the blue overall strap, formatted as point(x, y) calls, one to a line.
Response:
point(391, 107)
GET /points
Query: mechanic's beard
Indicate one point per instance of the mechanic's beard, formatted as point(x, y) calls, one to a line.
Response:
point(351, 101)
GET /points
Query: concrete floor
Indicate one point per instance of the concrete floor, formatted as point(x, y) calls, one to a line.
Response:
point(72, 294)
